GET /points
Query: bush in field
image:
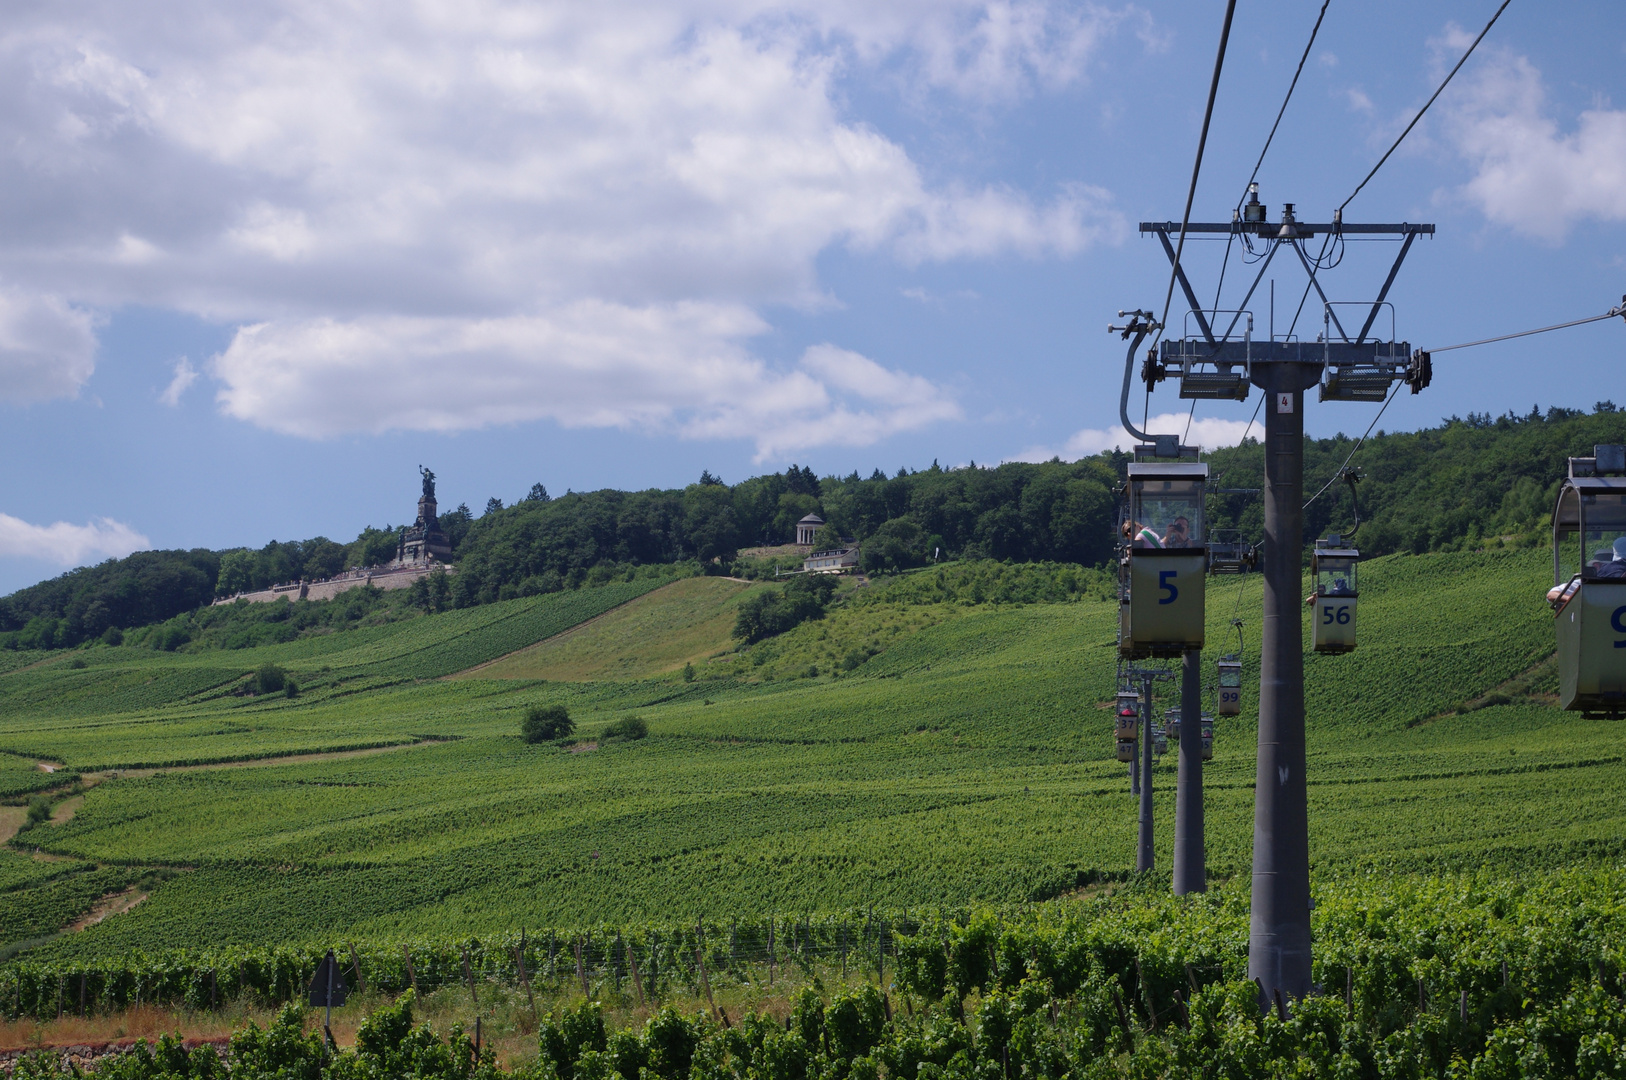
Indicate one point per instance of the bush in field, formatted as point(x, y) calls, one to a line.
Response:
point(270, 679)
point(769, 612)
point(39, 811)
point(546, 723)
point(628, 727)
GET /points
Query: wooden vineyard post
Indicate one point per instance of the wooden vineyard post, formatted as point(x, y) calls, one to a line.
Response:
point(617, 958)
point(1349, 991)
point(700, 962)
point(1123, 1018)
point(637, 981)
point(468, 976)
point(524, 980)
point(581, 970)
point(82, 992)
point(355, 962)
point(412, 976)
point(211, 991)
point(770, 949)
point(881, 935)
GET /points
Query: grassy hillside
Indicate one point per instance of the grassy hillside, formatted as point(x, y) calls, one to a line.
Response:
point(686, 621)
point(965, 755)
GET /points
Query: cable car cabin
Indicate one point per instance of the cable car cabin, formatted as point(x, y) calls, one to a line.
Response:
point(1161, 573)
point(1171, 724)
point(1160, 741)
point(1589, 583)
point(1332, 616)
point(1230, 686)
point(1127, 723)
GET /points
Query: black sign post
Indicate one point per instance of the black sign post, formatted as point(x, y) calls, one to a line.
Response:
point(328, 989)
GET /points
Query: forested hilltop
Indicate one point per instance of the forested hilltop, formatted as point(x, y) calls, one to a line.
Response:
point(1464, 484)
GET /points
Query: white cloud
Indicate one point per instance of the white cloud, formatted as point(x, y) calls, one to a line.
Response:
point(493, 173)
point(68, 545)
point(1206, 432)
point(1529, 174)
point(678, 367)
point(185, 376)
point(47, 347)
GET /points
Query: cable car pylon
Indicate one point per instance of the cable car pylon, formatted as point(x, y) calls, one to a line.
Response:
point(1221, 363)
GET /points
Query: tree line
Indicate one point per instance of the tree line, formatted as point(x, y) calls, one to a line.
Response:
point(1468, 482)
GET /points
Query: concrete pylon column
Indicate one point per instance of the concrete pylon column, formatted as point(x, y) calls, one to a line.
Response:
point(1279, 923)
point(1144, 857)
point(1190, 855)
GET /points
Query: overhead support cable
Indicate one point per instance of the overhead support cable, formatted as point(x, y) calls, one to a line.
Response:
point(1354, 448)
point(1308, 45)
point(1618, 310)
point(1424, 109)
point(1197, 165)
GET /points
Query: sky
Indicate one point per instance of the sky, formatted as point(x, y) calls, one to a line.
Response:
point(259, 261)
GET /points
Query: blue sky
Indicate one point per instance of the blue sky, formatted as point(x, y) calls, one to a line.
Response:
point(263, 260)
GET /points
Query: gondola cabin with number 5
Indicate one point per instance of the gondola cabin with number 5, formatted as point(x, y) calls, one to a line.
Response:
point(1588, 596)
point(1161, 573)
point(1332, 616)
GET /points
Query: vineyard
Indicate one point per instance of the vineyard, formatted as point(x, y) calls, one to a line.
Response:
point(1418, 977)
point(936, 742)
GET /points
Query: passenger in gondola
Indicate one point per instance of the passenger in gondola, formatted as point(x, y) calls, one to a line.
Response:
point(1616, 567)
point(1179, 534)
point(1141, 535)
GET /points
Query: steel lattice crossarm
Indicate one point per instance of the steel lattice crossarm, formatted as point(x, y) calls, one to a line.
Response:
point(1221, 364)
point(1225, 370)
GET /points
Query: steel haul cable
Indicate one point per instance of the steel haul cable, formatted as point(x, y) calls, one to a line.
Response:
point(1340, 470)
point(1197, 165)
point(1426, 104)
point(1308, 45)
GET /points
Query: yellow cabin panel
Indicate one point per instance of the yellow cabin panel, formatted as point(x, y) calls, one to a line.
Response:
point(1166, 602)
point(1592, 647)
point(1332, 621)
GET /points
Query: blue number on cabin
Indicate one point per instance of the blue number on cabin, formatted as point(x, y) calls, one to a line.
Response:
point(1164, 584)
point(1618, 621)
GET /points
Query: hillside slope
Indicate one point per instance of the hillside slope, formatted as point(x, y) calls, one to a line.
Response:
point(968, 758)
point(687, 621)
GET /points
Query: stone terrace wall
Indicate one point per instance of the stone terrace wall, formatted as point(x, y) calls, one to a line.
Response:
point(378, 577)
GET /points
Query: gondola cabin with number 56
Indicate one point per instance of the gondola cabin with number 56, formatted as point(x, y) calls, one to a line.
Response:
point(1332, 616)
point(1161, 573)
point(1588, 596)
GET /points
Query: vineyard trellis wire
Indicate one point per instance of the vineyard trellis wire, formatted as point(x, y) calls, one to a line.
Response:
point(602, 959)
